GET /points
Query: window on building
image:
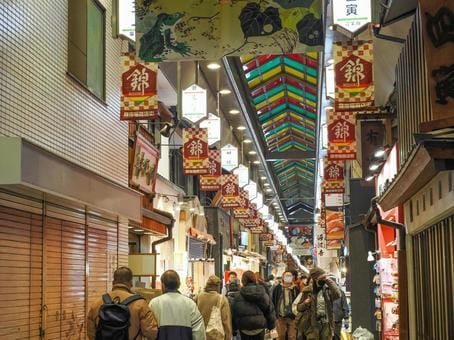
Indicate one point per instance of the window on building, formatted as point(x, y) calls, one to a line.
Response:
point(86, 44)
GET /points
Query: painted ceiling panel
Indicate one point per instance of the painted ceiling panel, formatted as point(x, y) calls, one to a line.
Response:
point(284, 93)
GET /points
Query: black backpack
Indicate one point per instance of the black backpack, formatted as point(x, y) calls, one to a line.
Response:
point(113, 317)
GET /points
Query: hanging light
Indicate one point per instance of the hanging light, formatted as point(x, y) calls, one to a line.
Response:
point(252, 152)
point(225, 91)
point(214, 66)
point(374, 166)
point(247, 141)
point(379, 153)
point(370, 178)
point(256, 162)
point(241, 128)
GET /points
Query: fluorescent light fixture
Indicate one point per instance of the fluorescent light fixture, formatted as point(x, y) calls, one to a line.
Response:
point(234, 111)
point(148, 233)
point(263, 178)
point(214, 66)
point(192, 209)
point(374, 166)
point(266, 184)
point(256, 162)
point(138, 230)
point(130, 227)
point(268, 190)
point(379, 153)
point(370, 178)
point(252, 152)
point(241, 128)
point(247, 141)
point(225, 91)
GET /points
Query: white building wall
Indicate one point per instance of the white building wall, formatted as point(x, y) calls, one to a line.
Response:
point(40, 102)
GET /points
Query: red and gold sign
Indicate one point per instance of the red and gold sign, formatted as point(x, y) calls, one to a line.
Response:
point(230, 191)
point(243, 201)
point(353, 69)
point(334, 171)
point(251, 222)
point(195, 151)
point(139, 98)
point(266, 237)
point(211, 182)
point(145, 163)
point(334, 224)
point(257, 230)
point(341, 135)
point(333, 244)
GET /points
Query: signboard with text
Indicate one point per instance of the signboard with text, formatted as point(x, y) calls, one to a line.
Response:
point(230, 191)
point(194, 103)
point(352, 14)
point(211, 181)
point(195, 151)
point(229, 157)
point(341, 135)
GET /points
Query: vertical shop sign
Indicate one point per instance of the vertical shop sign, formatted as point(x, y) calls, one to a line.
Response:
point(372, 138)
point(353, 69)
point(251, 188)
point(211, 181)
point(145, 164)
point(333, 177)
point(258, 200)
point(438, 22)
point(351, 14)
point(341, 135)
point(194, 103)
point(229, 157)
point(139, 98)
point(243, 210)
point(213, 125)
point(243, 175)
point(334, 224)
point(127, 18)
point(230, 191)
point(195, 151)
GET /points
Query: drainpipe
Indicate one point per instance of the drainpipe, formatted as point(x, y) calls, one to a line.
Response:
point(397, 226)
point(155, 243)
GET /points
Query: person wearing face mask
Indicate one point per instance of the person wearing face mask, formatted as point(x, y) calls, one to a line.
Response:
point(283, 297)
point(233, 277)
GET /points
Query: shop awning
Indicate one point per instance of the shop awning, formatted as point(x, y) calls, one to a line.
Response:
point(156, 221)
point(428, 157)
point(201, 235)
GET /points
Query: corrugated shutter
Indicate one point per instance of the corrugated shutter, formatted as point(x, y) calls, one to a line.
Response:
point(102, 256)
point(20, 267)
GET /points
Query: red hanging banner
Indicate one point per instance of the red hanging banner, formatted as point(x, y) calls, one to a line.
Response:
point(334, 224)
point(341, 135)
point(195, 151)
point(230, 191)
point(333, 177)
point(139, 99)
point(354, 77)
point(211, 182)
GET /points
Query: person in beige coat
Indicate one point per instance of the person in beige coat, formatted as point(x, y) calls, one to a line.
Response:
point(142, 320)
point(210, 298)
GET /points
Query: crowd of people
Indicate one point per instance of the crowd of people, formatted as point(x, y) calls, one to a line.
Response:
point(308, 307)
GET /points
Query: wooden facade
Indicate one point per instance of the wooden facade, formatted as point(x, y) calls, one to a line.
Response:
point(55, 260)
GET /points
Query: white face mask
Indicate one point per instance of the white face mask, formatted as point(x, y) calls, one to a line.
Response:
point(288, 279)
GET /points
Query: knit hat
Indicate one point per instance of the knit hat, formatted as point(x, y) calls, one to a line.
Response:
point(316, 272)
point(213, 283)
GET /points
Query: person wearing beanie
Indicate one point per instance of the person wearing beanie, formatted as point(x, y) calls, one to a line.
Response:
point(211, 298)
point(320, 304)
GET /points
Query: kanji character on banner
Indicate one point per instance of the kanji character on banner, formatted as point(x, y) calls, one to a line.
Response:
point(211, 182)
point(341, 135)
point(195, 151)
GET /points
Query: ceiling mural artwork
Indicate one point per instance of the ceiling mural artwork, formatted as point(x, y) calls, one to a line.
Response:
point(212, 29)
point(283, 90)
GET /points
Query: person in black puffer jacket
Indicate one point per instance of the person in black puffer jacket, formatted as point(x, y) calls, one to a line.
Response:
point(252, 310)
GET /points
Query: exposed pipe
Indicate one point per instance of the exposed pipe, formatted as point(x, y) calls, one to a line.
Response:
point(155, 243)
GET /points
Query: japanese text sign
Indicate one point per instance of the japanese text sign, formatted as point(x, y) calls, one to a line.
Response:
point(145, 164)
point(334, 171)
point(341, 135)
point(138, 89)
point(230, 191)
point(351, 14)
point(372, 138)
point(229, 157)
point(194, 103)
point(211, 181)
point(353, 69)
point(195, 151)
point(213, 124)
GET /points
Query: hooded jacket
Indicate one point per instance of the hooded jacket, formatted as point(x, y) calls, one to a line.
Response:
point(252, 309)
point(142, 320)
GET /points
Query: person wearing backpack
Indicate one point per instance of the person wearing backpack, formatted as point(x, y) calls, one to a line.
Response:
point(215, 310)
point(120, 314)
point(252, 310)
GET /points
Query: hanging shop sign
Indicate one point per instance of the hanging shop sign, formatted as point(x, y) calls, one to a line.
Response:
point(334, 171)
point(126, 19)
point(438, 17)
point(241, 213)
point(330, 84)
point(211, 181)
point(229, 157)
point(195, 151)
point(194, 103)
point(266, 237)
point(334, 200)
point(230, 191)
point(268, 243)
point(333, 187)
point(300, 237)
point(341, 135)
point(243, 210)
point(353, 69)
point(213, 124)
point(145, 164)
point(251, 222)
point(352, 14)
point(333, 244)
point(139, 99)
point(257, 230)
point(251, 188)
point(264, 210)
point(372, 138)
point(334, 224)
point(213, 29)
point(243, 175)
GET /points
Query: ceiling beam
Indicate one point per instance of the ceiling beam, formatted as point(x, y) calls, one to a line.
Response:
point(289, 155)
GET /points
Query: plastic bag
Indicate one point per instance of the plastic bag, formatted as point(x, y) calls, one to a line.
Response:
point(362, 334)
